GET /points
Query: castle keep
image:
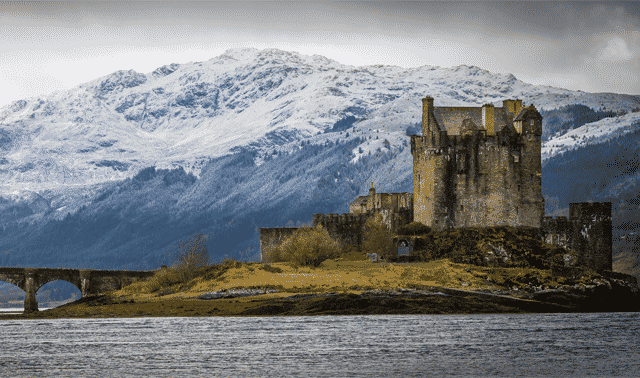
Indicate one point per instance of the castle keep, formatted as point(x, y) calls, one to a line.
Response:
point(478, 166)
point(474, 167)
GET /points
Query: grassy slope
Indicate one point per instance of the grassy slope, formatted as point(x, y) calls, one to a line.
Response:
point(447, 288)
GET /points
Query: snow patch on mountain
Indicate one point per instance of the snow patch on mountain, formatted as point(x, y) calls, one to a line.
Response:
point(591, 133)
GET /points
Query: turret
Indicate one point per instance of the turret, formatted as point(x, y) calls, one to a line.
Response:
point(430, 128)
point(528, 121)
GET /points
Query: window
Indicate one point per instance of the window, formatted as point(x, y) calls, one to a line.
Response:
point(532, 122)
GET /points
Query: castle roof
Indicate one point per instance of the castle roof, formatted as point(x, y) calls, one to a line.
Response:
point(362, 200)
point(468, 127)
point(528, 112)
point(451, 118)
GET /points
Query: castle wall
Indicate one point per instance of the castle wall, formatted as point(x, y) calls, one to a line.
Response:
point(348, 229)
point(431, 172)
point(344, 228)
point(593, 234)
point(273, 237)
point(587, 232)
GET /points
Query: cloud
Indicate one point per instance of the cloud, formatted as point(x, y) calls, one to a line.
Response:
point(616, 50)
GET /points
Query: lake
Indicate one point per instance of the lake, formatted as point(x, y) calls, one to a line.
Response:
point(598, 344)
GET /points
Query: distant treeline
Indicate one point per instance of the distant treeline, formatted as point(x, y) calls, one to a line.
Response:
point(559, 121)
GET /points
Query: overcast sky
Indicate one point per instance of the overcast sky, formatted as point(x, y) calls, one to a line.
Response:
point(594, 47)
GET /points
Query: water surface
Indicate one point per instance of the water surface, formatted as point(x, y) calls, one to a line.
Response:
point(603, 344)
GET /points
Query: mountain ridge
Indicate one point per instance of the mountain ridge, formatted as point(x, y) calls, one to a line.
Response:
point(179, 115)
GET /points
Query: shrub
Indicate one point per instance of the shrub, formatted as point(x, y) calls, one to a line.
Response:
point(377, 237)
point(413, 228)
point(307, 246)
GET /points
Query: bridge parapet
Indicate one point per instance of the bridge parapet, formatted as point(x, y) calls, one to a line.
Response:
point(88, 281)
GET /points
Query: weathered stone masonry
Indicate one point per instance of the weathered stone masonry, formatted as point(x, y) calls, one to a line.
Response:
point(588, 231)
point(478, 167)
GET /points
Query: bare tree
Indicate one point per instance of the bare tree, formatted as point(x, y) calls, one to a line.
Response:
point(192, 254)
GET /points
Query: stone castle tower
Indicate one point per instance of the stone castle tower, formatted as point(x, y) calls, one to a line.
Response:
point(478, 166)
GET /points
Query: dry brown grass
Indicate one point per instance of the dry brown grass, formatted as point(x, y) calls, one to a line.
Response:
point(336, 275)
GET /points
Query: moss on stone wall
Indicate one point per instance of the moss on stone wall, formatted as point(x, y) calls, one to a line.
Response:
point(490, 246)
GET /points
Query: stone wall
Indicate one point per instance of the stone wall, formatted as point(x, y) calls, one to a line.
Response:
point(273, 237)
point(477, 181)
point(587, 232)
point(347, 229)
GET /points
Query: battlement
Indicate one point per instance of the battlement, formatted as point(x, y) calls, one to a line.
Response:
point(341, 219)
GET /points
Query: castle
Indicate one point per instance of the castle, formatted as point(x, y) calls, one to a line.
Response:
point(478, 166)
point(474, 167)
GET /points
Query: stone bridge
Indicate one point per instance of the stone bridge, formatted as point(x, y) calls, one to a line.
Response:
point(86, 280)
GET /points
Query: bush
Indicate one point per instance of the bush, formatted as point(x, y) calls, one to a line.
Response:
point(270, 269)
point(307, 246)
point(413, 228)
point(377, 237)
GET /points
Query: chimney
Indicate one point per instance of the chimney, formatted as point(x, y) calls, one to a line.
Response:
point(509, 106)
point(512, 106)
point(372, 198)
point(427, 109)
point(517, 107)
point(488, 118)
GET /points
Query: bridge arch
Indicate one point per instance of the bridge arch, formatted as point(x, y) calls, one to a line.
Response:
point(57, 291)
point(46, 279)
point(15, 278)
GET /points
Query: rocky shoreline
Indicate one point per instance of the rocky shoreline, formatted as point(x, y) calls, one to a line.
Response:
point(424, 300)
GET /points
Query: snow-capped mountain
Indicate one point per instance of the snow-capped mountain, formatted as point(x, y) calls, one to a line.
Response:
point(182, 115)
point(111, 173)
